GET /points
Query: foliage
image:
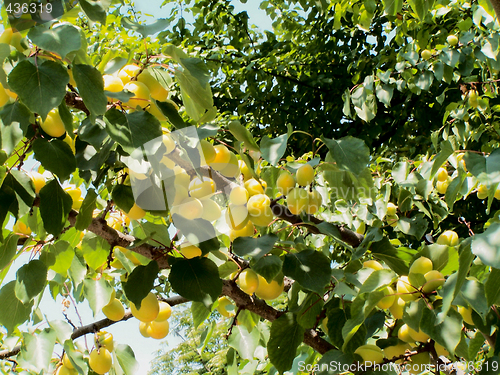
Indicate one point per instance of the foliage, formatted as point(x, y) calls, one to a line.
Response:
point(393, 107)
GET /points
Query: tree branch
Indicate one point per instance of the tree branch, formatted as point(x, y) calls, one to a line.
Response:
point(96, 326)
point(261, 308)
point(496, 6)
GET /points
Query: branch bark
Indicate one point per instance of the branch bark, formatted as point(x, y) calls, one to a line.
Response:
point(496, 7)
point(261, 308)
point(95, 326)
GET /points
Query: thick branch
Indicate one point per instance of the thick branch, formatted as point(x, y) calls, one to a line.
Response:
point(96, 326)
point(496, 6)
point(99, 227)
point(73, 100)
point(261, 308)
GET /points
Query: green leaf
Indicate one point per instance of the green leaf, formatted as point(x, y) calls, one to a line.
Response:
point(157, 232)
point(8, 250)
point(376, 280)
point(10, 135)
point(491, 287)
point(56, 156)
point(95, 10)
point(123, 197)
point(200, 313)
point(196, 279)
point(36, 351)
point(243, 135)
point(84, 218)
point(91, 88)
point(446, 150)
point(132, 130)
point(285, 337)
point(75, 356)
point(63, 254)
point(398, 261)
point(21, 183)
point(160, 24)
point(97, 292)
point(337, 317)
point(244, 342)
point(13, 311)
point(350, 154)
point(41, 87)
point(254, 247)
point(268, 267)
point(448, 333)
point(193, 80)
point(310, 268)
point(123, 96)
point(140, 282)
point(198, 232)
point(16, 113)
point(487, 247)
point(309, 311)
point(169, 110)
point(273, 149)
point(95, 250)
point(30, 280)
point(473, 292)
point(62, 329)
point(415, 226)
point(55, 205)
point(61, 39)
point(126, 359)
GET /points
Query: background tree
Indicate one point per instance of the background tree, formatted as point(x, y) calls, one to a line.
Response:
point(363, 136)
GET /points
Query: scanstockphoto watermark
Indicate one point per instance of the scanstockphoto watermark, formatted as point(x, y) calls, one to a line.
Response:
point(25, 14)
point(457, 367)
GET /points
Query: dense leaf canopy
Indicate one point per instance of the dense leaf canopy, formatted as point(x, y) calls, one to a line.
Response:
point(323, 195)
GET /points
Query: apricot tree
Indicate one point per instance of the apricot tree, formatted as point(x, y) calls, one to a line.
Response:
point(330, 187)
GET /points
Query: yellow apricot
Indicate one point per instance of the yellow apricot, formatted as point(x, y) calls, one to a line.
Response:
point(208, 151)
point(269, 291)
point(4, 98)
point(128, 72)
point(406, 291)
point(190, 251)
point(165, 311)
point(149, 309)
point(143, 329)
point(100, 361)
point(239, 195)
point(397, 308)
point(285, 182)
point(248, 281)
point(232, 169)
point(201, 187)
point(141, 94)
point(190, 208)
point(136, 212)
point(158, 330)
point(21, 228)
point(373, 264)
point(222, 157)
point(304, 175)
point(211, 210)
point(112, 84)
point(482, 192)
point(297, 200)
point(236, 216)
point(114, 310)
point(247, 231)
point(388, 300)
point(245, 171)
point(158, 92)
point(442, 174)
point(314, 203)
point(254, 187)
point(53, 124)
point(223, 305)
